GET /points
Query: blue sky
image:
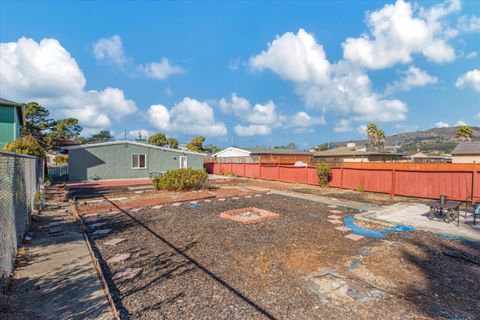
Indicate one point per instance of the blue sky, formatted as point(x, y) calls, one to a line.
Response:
point(257, 73)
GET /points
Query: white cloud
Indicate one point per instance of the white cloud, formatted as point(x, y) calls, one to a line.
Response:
point(411, 78)
point(135, 133)
point(110, 50)
point(469, 24)
point(189, 115)
point(263, 114)
point(460, 123)
point(471, 55)
point(304, 120)
point(252, 130)
point(160, 70)
point(441, 124)
point(342, 88)
point(237, 105)
point(342, 126)
point(477, 116)
point(296, 57)
point(45, 72)
point(471, 79)
point(362, 130)
point(396, 32)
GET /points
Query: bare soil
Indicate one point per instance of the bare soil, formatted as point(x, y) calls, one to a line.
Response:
point(199, 266)
point(351, 195)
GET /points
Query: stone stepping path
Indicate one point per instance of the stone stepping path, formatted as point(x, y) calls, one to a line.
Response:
point(332, 206)
point(334, 217)
point(176, 204)
point(119, 257)
point(235, 198)
point(127, 274)
point(221, 199)
point(248, 197)
point(208, 200)
point(136, 209)
point(335, 211)
point(114, 241)
point(354, 237)
point(335, 221)
point(102, 232)
point(157, 206)
point(343, 229)
point(258, 195)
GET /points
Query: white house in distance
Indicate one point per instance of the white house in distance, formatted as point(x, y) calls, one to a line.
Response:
point(466, 152)
point(261, 155)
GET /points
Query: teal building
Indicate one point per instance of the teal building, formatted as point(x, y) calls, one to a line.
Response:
point(12, 118)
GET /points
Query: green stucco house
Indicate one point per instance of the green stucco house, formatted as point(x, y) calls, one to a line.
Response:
point(126, 160)
point(12, 118)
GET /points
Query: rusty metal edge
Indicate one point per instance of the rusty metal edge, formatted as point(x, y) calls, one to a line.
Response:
point(96, 263)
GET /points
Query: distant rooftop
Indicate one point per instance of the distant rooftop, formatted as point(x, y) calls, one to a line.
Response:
point(464, 148)
point(275, 151)
point(351, 151)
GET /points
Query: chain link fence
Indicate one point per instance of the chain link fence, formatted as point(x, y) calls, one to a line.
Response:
point(20, 179)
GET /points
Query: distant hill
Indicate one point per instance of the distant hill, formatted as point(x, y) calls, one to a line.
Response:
point(440, 140)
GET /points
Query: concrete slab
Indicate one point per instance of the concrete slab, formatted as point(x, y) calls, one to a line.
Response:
point(114, 241)
point(334, 217)
point(336, 211)
point(157, 206)
point(335, 221)
point(121, 257)
point(176, 204)
point(415, 215)
point(127, 274)
point(354, 237)
point(343, 229)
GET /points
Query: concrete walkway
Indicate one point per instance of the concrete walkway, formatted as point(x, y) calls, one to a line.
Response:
point(332, 201)
point(55, 278)
point(415, 215)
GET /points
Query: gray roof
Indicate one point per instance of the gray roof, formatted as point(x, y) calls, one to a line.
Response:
point(276, 151)
point(5, 102)
point(351, 151)
point(467, 148)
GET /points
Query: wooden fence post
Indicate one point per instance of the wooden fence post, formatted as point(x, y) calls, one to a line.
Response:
point(244, 165)
point(260, 170)
point(278, 172)
point(306, 175)
point(341, 177)
point(392, 188)
point(474, 183)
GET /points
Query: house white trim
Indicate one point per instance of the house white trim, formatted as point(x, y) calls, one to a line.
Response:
point(230, 149)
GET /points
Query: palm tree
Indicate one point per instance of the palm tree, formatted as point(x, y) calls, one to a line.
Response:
point(464, 134)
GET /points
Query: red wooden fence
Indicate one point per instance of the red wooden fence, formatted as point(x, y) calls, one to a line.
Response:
point(457, 181)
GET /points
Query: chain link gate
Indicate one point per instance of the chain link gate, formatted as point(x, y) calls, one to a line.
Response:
point(20, 179)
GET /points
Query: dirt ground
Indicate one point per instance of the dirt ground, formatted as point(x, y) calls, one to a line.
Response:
point(352, 195)
point(196, 265)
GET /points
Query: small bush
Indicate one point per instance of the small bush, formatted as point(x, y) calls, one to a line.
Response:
point(361, 187)
point(181, 180)
point(230, 174)
point(324, 172)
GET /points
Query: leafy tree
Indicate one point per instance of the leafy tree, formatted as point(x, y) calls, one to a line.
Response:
point(196, 144)
point(158, 139)
point(102, 136)
point(376, 138)
point(211, 148)
point(26, 145)
point(172, 143)
point(63, 132)
point(37, 122)
point(60, 160)
point(464, 134)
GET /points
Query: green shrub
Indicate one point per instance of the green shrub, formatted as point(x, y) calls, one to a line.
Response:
point(361, 187)
point(181, 180)
point(324, 172)
point(230, 174)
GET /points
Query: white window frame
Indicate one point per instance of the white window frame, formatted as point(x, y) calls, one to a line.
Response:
point(138, 155)
point(180, 163)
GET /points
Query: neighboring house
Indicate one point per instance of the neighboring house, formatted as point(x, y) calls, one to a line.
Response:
point(353, 153)
point(421, 157)
point(126, 160)
point(466, 152)
point(261, 155)
point(12, 118)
